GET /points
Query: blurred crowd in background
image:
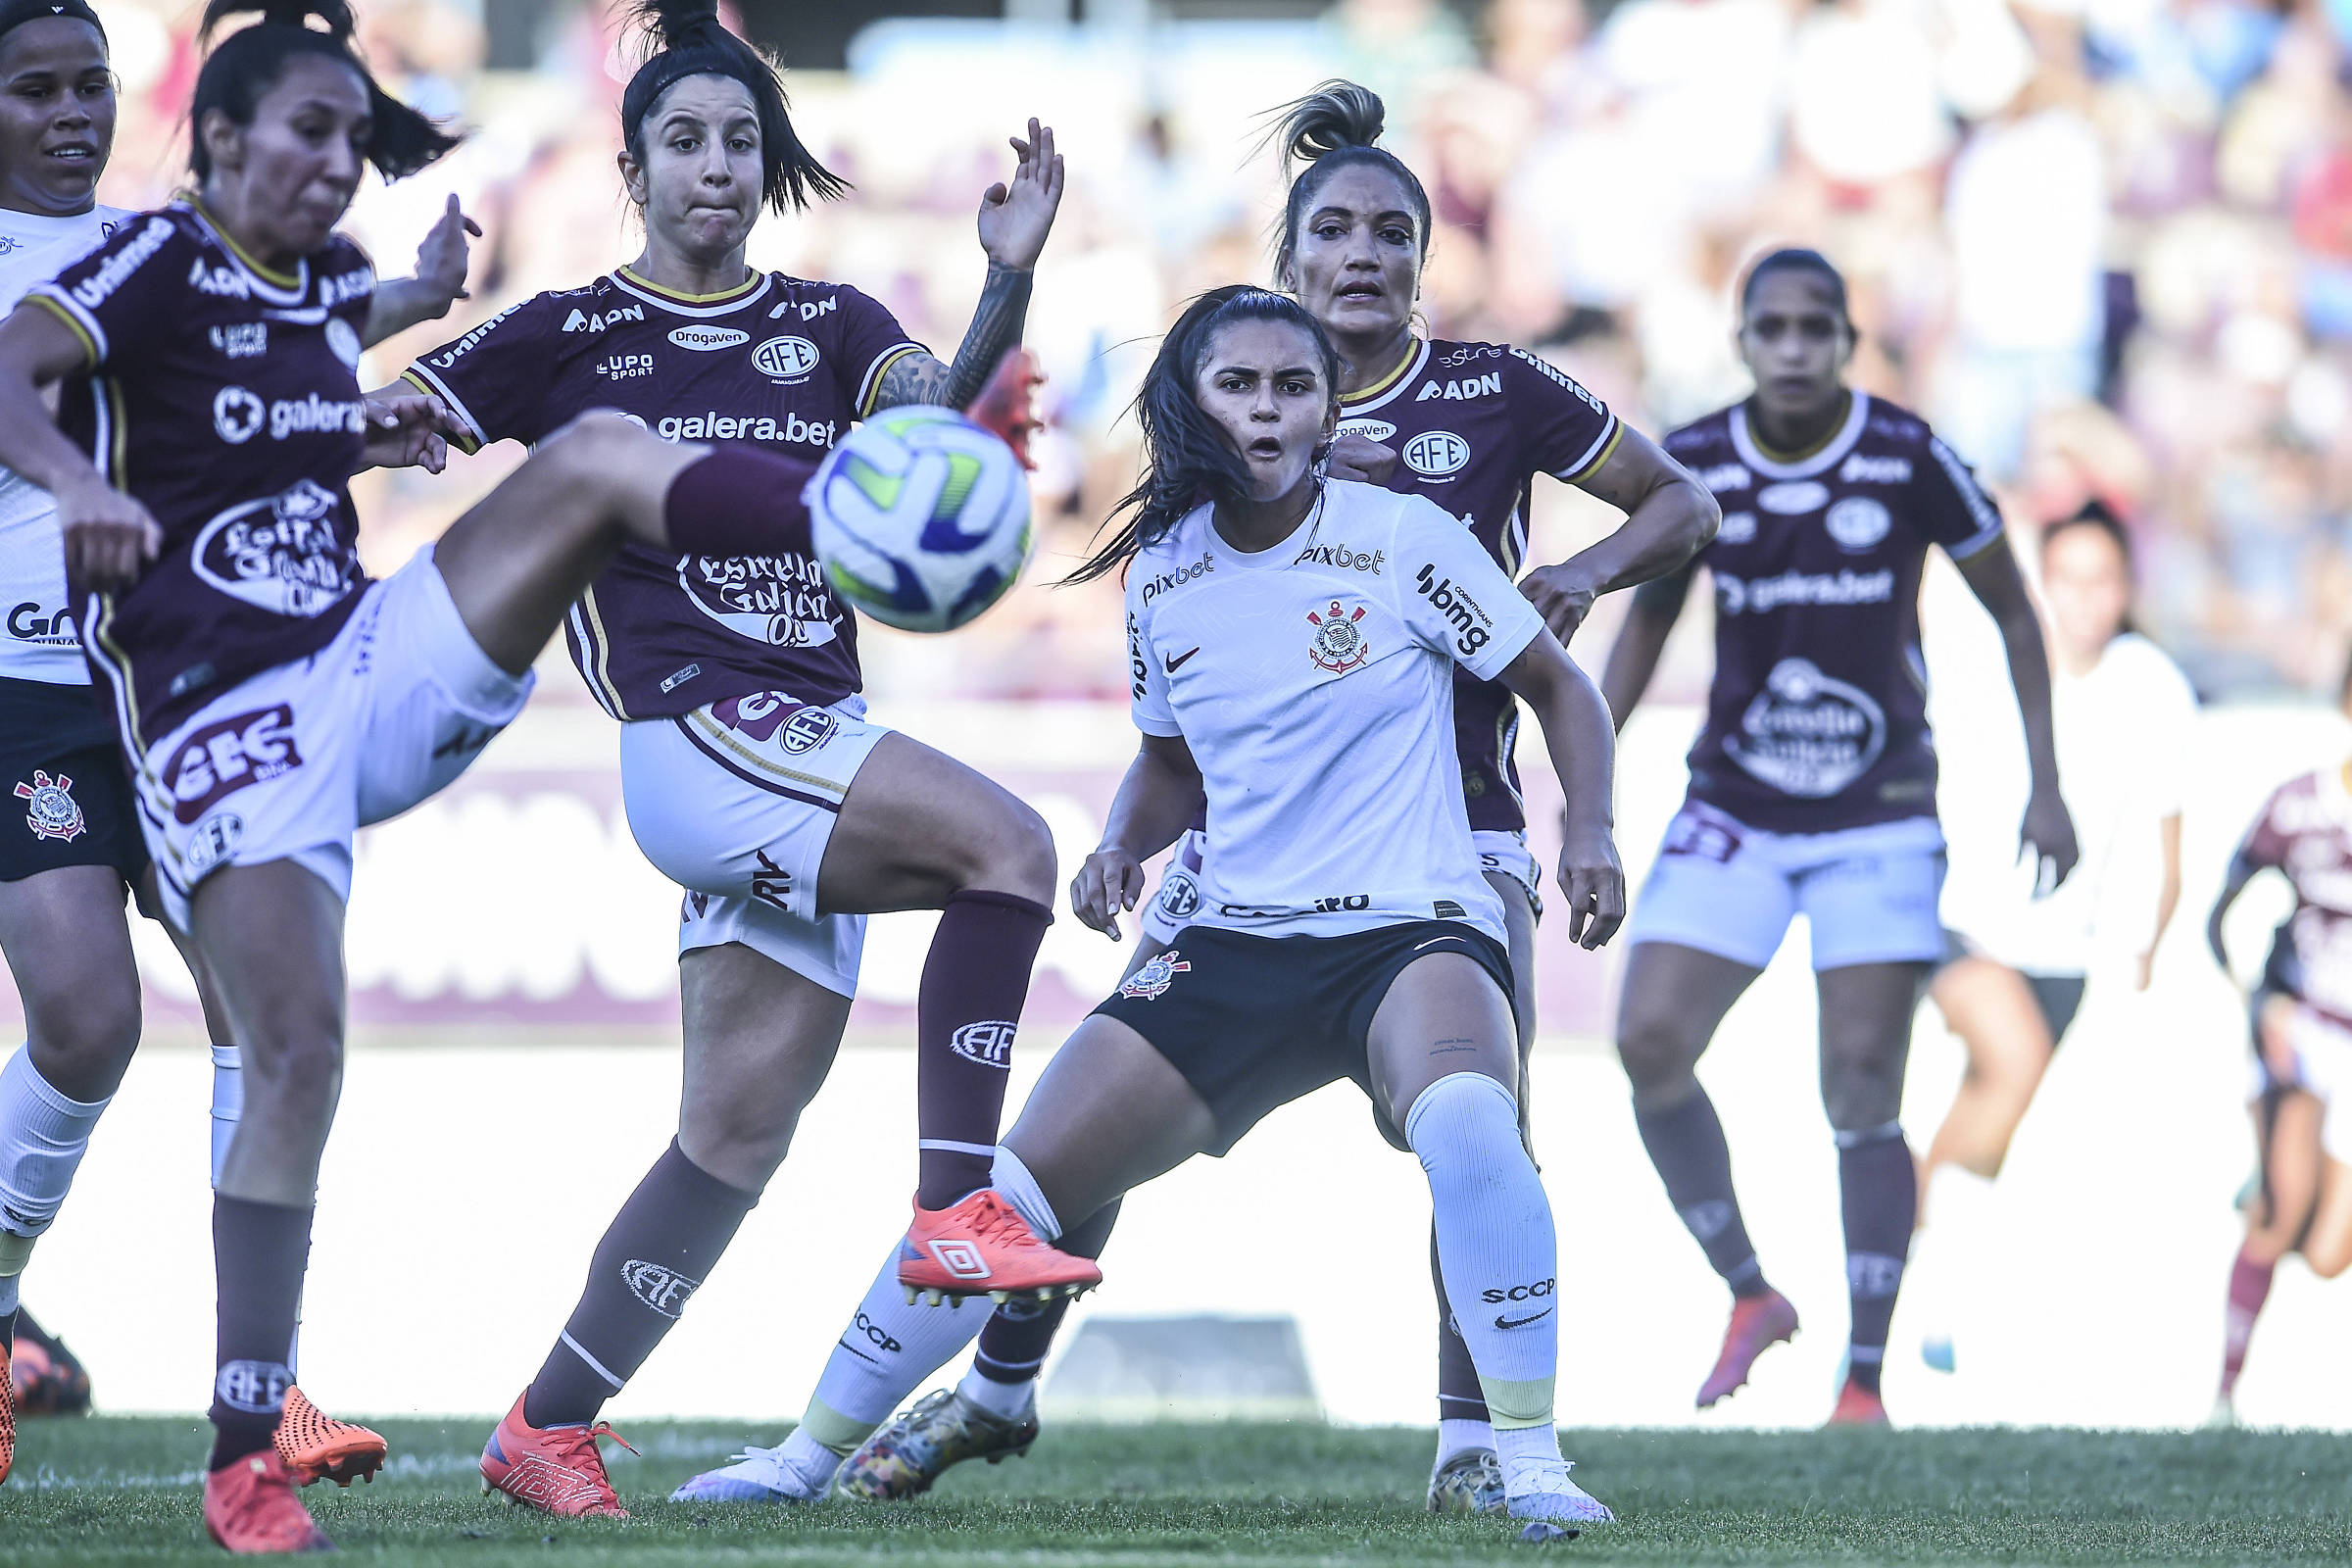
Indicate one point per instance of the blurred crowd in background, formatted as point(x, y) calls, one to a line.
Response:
point(2104, 245)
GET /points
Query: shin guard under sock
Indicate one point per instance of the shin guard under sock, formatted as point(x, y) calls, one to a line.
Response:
point(1879, 1186)
point(1459, 1399)
point(1685, 1144)
point(883, 1356)
point(974, 981)
point(260, 1253)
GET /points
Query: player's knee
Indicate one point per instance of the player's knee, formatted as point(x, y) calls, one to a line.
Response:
point(2328, 1259)
point(1657, 1051)
point(81, 1044)
point(587, 458)
point(1013, 854)
point(293, 1063)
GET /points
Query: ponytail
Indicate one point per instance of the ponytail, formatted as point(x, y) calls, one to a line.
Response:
point(1334, 127)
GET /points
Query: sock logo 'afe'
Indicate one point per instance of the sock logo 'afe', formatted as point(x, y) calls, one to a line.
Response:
point(665, 1290)
point(257, 1388)
point(988, 1043)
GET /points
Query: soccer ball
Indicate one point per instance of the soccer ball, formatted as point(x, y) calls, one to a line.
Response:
point(922, 517)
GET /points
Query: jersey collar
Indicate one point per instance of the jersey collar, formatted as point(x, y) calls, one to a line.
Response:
point(278, 288)
point(725, 303)
point(1388, 386)
point(1819, 461)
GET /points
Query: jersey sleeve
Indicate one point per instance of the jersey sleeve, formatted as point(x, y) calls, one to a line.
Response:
point(2268, 842)
point(1454, 597)
point(496, 377)
point(121, 298)
point(1950, 505)
point(1567, 431)
point(1147, 683)
point(870, 342)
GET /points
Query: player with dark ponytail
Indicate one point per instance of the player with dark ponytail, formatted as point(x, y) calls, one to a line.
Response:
point(271, 698)
point(745, 746)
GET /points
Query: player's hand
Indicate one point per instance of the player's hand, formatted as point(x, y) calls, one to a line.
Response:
point(1356, 456)
point(404, 431)
point(1561, 596)
point(441, 260)
point(1107, 882)
point(2146, 964)
point(2049, 836)
point(1595, 884)
point(109, 538)
point(1015, 218)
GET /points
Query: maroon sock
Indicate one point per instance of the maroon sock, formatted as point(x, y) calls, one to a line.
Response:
point(1685, 1144)
point(2249, 1288)
point(739, 501)
point(657, 1252)
point(1460, 1395)
point(1879, 1188)
point(1014, 1339)
point(260, 1253)
point(974, 981)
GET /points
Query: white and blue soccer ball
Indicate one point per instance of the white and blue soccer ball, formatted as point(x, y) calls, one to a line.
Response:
point(922, 517)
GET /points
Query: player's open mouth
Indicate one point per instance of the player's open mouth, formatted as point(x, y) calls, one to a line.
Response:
point(1360, 291)
point(1265, 447)
point(72, 152)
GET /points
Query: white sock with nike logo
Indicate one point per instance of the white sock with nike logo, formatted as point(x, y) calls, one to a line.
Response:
point(1494, 1243)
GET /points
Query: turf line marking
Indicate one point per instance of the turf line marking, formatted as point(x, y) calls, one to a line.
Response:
point(399, 1467)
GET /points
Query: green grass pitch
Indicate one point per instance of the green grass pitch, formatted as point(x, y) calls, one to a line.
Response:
point(122, 1491)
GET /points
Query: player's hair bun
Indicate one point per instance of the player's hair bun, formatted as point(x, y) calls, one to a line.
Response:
point(336, 15)
point(686, 38)
point(676, 23)
point(1337, 113)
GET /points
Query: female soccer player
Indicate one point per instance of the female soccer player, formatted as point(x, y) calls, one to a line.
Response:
point(1812, 786)
point(745, 751)
point(64, 875)
point(2301, 1013)
point(1289, 640)
point(1469, 426)
point(2015, 968)
point(270, 697)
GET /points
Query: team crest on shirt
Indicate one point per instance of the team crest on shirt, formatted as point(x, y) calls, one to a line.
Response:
point(50, 809)
point(1338, 646)
point(1155, 977)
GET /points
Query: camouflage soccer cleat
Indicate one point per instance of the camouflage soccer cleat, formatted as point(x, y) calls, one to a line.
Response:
point(1468, 1483)
point(941, 1429)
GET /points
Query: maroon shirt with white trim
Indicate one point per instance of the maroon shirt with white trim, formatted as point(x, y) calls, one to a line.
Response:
point(2305, 830)
point(225, 399)
point(1473, 423)
point(783, 364)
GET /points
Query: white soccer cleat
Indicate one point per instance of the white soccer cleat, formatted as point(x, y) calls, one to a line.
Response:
point(2223, 1415)
point(758, 1475)
point(1540, 1489)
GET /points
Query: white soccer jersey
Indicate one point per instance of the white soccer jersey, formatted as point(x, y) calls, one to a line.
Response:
point(37, 640)
point(1314, 684)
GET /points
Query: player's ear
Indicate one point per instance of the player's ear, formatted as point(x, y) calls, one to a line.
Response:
point(223, 139)
point(632, 176)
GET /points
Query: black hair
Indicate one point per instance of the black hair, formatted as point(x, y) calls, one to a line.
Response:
point(1336, 126)
point(1796, 259)
point(14, 14)
point(1188, 457)
point(685, 38)
point(242, 68)
point(2099, 517)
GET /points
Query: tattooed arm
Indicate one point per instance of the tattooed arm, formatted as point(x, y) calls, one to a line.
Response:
point(1014, 222)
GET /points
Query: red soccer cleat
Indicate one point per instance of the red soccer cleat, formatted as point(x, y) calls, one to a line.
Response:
point(319, 1447)
point(8, 1415)
point(1758, 1323)
point(50, 1378)
point(1004, 407)
point(250, 1508)
point(558, 1470)
point(1857, 1406)
point(982, 1246)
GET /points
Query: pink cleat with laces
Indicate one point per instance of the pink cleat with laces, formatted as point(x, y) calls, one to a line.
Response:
point(982, 1247)
point(558, 1470)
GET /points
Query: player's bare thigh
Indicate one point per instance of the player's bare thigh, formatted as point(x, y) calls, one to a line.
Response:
point(1519, 920)
point(1673, 999)
point(68, 945)
point(2327, 1241)
point(759, 1041)
point(917, 826)
point(2291, 1161)
point(1443, 1014)
point(1109, 1114)
point(1992, 1009)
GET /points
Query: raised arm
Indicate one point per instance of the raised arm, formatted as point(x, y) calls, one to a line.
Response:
point(1583, 754)
point(1633, 657)
point(401, 303)
point(1014, 220)
point(1669, 518)
point(1157, 799)
point(1992, 575)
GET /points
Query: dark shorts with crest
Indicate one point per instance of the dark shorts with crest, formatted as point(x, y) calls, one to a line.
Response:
point(65, 796)
point(1255, 1022)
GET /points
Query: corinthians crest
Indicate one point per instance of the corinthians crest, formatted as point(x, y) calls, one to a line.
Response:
point(1155, 977)
point(1338, 645)
point(52, 811)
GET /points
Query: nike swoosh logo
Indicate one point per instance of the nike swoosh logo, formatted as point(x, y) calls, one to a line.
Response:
point(1502, 1322)
point(1176, 662)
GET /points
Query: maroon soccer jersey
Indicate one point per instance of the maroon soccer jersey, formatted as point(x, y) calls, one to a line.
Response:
point(783, 364)
point(1473, 423)
point(2305, 830)
point(226, 398)
point(1817, 718)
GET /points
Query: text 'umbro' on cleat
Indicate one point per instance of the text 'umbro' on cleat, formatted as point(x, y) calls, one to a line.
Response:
point(250, 1508)
point(1470, 1482)
point(558, 1470)
point(981, 1245)
point(758, 1475)
point(1542, 1489)
point(50, 1378)
point(939, 1431)
point(1857, 1406)
point(319, 1447)
point(1758, 1323)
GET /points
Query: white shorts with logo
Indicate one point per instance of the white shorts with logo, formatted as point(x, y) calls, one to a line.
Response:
point(738, 811)
point(290, 764)
point(1170, 909)
point(2322, 1068)
point(1870, 894)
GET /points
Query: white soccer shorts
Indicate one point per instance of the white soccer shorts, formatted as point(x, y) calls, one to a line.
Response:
point(1170, 909)
point(2324, 1069)
point(1869, 894)
point(735, 802)
point(291, 763)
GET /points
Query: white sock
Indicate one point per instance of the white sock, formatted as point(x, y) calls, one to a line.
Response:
point(228, 1104)
point(1955, 1213)
point(883, 1356)
point(1956, 1202)
point(1456, 1437)
point(44, 1136)
point(810, 1460)
point(1013, 1183)
point(1006, 1401)
point(1531, 1457)
point(1495, 1245)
